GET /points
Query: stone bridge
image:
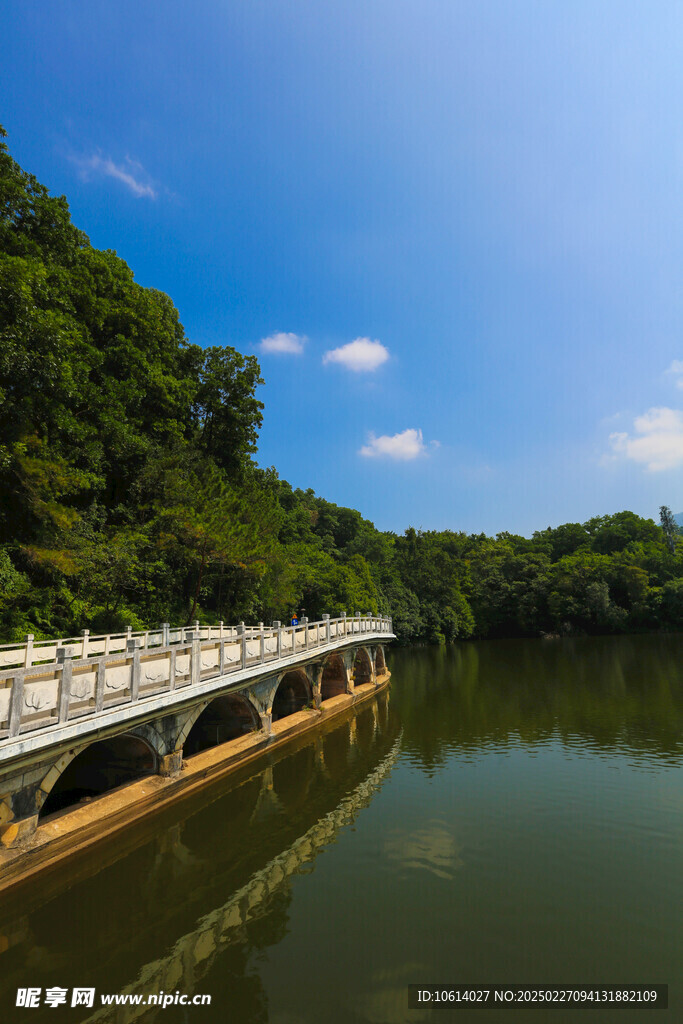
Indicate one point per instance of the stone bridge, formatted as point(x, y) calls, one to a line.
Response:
point(80, 717)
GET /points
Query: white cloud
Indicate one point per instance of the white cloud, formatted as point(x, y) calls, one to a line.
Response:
point(130, 173)
point(676, 369)
point(288, 344)
point(659, 445)
point(361, 355)
point(403, 447)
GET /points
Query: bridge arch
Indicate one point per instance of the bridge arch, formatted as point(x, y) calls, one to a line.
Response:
point(333, 678)
point(153, 736)
point(222, 719)
point(362, 667)
point(380, 661)
point(94, 770)
point(293, 693)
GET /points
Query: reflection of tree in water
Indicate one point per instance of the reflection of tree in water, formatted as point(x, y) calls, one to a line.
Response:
point(606, 692)
point(292, 777)
point(365, 729)
point(335, 752)
point(238, 850)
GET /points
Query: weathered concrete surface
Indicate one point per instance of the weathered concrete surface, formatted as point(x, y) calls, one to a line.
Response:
point(92, 823)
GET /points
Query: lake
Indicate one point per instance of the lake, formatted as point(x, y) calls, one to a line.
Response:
point(509, 811)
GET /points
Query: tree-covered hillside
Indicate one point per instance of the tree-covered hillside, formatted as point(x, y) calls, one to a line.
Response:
point(129, 493)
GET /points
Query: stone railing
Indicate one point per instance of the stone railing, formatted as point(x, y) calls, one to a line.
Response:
point(52, 682)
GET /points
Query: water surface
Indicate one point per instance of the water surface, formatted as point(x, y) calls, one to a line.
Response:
point(509, 811)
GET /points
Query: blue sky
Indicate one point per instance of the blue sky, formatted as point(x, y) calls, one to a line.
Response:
point(485, 197)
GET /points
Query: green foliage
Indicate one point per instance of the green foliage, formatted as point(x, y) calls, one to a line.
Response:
point(128, 494)
point(669, 527)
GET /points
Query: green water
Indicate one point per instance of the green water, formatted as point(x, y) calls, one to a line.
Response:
point(507, 812)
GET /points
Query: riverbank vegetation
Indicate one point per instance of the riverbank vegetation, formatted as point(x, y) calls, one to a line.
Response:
point(130, 494)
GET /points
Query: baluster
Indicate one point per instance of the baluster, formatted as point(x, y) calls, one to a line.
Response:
point(16, 704)
point(64, 659)
point(28, 653)
point(243, 633)
point(195, 659)
point(99, 684)
point(133, 652)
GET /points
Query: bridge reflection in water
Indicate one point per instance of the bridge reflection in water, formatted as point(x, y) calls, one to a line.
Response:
point(156, 905)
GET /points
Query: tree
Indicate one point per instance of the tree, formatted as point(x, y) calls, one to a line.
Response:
point(669, 526)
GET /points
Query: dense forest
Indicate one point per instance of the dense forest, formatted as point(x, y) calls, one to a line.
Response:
point(130, 494)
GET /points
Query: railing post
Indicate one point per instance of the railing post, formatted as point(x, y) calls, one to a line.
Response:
point(165, 628)
point(195, 658)
point(171, 668)
point(129, 633)
point(328, 628)
point(262, 643)
point(358, 620)
point(242, 631)
point(16, 705)
point(99, 685)
point(28, 653)
point(220, 629)
point(133, 651)
point(305, 625)
point(277, 625)
point(64, 659)
point(85, 633)
point(344, 622)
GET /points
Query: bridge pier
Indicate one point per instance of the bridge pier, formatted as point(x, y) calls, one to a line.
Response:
point(171, 764)
point(19, 832)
